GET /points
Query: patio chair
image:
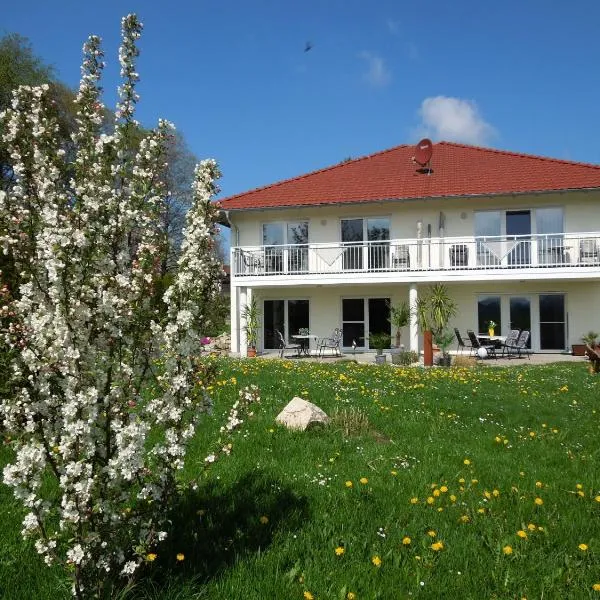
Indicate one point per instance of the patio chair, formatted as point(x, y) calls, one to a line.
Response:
point(283, 345)
point(461, 343)
point(510, 343)
point(521, 344)
point(588, 250)
point(476, 344)
point(253, 261)
point(334, 342)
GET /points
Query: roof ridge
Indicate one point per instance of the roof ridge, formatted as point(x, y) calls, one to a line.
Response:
point(316, 172)
point(521, 154)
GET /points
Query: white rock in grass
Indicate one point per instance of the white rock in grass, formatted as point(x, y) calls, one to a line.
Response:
point(301, 414)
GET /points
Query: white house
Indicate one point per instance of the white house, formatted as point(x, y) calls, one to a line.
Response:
point(515, 237)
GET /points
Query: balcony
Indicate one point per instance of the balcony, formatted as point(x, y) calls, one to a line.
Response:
point(471, 255)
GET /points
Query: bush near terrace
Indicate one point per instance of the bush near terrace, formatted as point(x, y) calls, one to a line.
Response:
point(454, 483)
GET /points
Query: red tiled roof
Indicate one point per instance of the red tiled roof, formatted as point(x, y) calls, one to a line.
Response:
point(458, 170)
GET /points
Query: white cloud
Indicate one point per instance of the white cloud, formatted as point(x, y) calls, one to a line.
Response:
point(377, 73)
point(454, 119)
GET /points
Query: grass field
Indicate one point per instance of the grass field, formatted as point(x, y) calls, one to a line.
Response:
point(445, 483)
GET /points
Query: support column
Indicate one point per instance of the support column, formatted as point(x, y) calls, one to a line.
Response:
point(234, 319)
point(243, 300)
point(414, 327)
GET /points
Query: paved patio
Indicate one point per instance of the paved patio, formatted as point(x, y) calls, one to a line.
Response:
point(369, 358)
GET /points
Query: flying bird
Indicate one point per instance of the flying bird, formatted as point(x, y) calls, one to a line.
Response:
point(308, 46)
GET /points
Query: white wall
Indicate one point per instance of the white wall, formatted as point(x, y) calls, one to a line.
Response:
point(582, 300)
point(581, 215)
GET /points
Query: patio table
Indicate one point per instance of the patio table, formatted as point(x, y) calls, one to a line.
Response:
point(304, 340)
point(496, 340)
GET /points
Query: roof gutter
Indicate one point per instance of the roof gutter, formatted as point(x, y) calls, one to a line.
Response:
point(415, 199)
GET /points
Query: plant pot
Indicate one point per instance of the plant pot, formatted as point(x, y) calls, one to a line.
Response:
point(380, 359)
point(250, 352)
point(491, 332)
point(578, 349)
point(427, 349)
point(445, 360)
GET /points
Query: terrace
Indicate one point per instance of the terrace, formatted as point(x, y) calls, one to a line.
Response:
point(574, 253)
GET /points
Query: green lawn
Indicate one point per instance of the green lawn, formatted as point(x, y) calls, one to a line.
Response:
point(453, 458)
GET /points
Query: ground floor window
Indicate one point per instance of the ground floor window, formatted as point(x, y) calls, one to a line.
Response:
point(552, 321)
point(286, 316)
point(361, 316)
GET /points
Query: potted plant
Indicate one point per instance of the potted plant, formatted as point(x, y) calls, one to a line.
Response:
point(379, 341)
point(399, 318)
point(251, 314)
point(433, 312)
point(491, 326)
point(444, 339)
point(589, 339)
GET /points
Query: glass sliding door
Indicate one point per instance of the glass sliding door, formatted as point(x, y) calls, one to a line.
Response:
point(273, 240)
point(552, 322)
point(297, 317)
point(353, 322)
point(489, 309)
point(297, 246)
point(378, 233)
point(273, 321)
point(549, 226)
point(379, 315)
point(352, 238)
point(520, 314)
point(286, 316)
point(488, 229)
point(518, 230)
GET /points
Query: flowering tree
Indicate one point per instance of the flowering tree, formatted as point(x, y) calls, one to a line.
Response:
point(97, 365)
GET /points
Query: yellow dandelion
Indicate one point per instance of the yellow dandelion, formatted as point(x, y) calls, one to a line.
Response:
point(350, 596)
point(349, 484)
point(444, 489)
point(452, 498)
point(180, 556)
point(487, 494)
point(539, 484)
point(507, 550)
point(394, 473)
point(498, 439)
point(522, 534)
point(264, 520)
point(339, 551)
point(431, 533)
point(151, 557)
point(364, 480)
point(538, 501)
point(532, 434)
point(465, 519)
point(406, 541)
point(596, 587)
point(437, 546)
point(474, 481)
point(481, 511)
point(436, 493)
point(308, 596)
point(415, 500)
point(531, 527)
point(430, 500)
point(496, 493)
point(461, 480)
point(583, 547)
point(597, 498)
point(376, 561)
point(578, 486)
point(466, 462)
point(581, 493)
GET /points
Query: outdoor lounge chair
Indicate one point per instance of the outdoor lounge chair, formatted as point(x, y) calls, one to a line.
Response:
point(461, 343)
point(476, 344)
point(283, 345)
point(521, 344)
point(510, 343)
point(334, 342)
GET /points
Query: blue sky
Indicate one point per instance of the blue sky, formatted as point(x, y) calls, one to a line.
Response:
point(235, 79)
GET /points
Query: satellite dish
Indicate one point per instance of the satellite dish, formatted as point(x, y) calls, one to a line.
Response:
point(423, 152)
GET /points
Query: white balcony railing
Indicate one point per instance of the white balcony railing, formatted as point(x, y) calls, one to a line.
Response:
point(557, 250)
